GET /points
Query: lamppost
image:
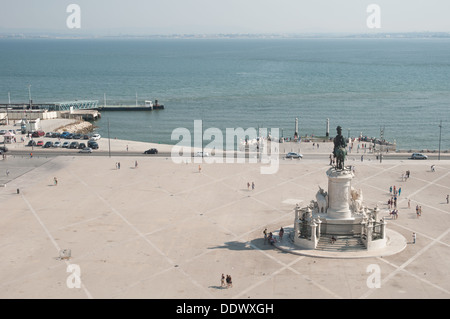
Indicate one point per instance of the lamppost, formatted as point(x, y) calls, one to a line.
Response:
point(109, 141)
point(440, 131)
point(29, 94)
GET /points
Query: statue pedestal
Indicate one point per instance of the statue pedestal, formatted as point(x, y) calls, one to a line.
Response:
point(339, 186)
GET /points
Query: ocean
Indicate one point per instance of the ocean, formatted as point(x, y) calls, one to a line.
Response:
point(364, 85)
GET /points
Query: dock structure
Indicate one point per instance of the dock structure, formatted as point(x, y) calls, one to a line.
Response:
point(53, 106)
point(83, 105)
point(147, 106)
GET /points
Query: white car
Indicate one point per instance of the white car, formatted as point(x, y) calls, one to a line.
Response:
point(86, 150)
point(418, 156)
point(57, 144)
point(95, 137)
point(202, 154)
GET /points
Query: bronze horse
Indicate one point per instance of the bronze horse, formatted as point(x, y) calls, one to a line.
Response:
point(340, 154)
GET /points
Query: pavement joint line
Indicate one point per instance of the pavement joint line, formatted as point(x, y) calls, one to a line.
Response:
point(414, 275)
point(284, 266)
point(413, 200)
point(409, 261)
point(422, 234)
point(137, 231)
point(52, 239)
point(429, 183)
point(376, 174)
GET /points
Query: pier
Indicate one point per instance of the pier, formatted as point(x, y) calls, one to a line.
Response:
point(147, 106)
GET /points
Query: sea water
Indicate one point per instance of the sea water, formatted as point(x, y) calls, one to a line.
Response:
point(400, 86)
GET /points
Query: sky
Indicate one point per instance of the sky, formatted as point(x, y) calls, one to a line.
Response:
point(115, 17)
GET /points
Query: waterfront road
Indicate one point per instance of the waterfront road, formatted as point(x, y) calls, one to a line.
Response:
point(310, 156)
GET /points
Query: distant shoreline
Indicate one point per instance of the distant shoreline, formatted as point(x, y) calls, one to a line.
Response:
point(43, 35)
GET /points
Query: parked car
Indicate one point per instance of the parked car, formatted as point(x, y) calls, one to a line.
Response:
point(40, 143)
point(65, 144)
point(48, 134)
point(3, 132)
point(86, 150)
point(77, 136)
point(418, 156)
point(48, 144)
point(64, 134)
point(73, 145)
point(95, 137)
point(81, 146)
point(4, 149)
point(151, 151)
point(69, 136)
point(86, 137)
point(31, 143)
point(294, 155)
point(38, 133)
point(92, 144)
point(57, 144)
point(55, 135)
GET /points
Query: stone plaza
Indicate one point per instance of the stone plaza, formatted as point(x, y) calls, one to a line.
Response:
point(166, 230)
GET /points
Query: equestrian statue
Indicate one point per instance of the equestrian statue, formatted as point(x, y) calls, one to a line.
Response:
point(340, 149)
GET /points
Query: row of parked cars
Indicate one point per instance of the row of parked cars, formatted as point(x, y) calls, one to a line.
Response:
point(87, 147)
point(67, 135)
point(71, 145)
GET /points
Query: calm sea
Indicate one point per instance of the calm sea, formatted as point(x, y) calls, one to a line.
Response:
point(363, 85)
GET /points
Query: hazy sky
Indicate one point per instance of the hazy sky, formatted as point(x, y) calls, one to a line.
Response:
point(226, 16)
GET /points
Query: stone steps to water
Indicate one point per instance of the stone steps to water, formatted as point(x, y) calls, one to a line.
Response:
point(342, 243)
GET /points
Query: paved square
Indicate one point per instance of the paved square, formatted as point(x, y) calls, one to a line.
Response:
point(164, 230)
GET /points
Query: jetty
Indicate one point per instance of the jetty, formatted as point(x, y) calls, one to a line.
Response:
point(147, 106)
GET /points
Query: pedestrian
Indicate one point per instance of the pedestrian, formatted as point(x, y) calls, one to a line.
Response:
point(248, 185)
point(118, 165)
point(222, 281)
point(31, 155)
point(265, 235)
point(390, 190)
point(420, 210)
point(55, 181)
point(199, 169)
point(409, 203)
point(281, 233)
point(229, 282)
point(253, 185)
point(7, 172)
point(135, 164)
point(362, 158)
point(399, 191)
point(432, 168)
point(127, 148)
point(447, 198)
point(414, 238)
